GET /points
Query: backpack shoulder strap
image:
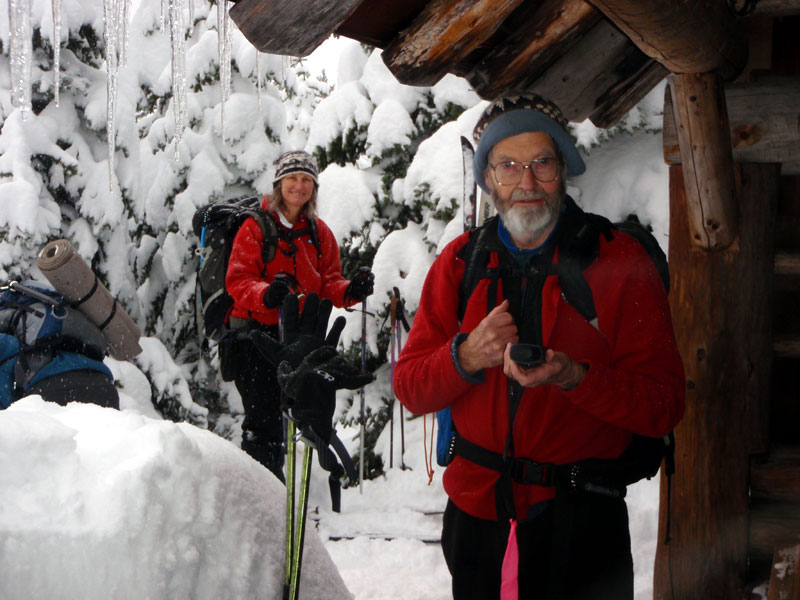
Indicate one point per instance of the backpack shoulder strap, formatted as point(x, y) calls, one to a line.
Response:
point(269, 232)
point(475, 254)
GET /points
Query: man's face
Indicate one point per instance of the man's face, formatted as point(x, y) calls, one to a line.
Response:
point(530, 208)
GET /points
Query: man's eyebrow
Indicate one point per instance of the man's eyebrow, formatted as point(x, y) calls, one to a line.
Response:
point(543, 154)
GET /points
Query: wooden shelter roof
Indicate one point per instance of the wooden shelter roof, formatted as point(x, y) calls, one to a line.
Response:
point(594, 59)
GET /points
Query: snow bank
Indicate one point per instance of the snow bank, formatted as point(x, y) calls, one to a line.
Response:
point(98, 503)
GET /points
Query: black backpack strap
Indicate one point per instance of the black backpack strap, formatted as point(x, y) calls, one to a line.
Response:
point(269, 232)
point(475, 254)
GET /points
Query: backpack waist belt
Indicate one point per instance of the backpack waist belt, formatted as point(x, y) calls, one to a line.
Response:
point(521, 470)
point(574, 476)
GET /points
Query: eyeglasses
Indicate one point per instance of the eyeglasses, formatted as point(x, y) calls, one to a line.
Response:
point(509, 172)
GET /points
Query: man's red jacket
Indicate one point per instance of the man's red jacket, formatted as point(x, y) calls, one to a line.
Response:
point(248, 278)
point(634, 384)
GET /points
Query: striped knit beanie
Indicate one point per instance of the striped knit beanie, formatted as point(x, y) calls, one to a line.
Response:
point(512, 115)
point(296, 161)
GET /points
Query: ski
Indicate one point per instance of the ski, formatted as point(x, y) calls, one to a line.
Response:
point(469, 207)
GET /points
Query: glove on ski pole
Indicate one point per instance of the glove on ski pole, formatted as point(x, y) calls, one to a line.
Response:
point(303, 333)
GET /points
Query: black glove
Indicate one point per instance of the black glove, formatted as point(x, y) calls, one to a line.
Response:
point(276, 292)
point(362, 285)
point(309, 391)
point(302, 334)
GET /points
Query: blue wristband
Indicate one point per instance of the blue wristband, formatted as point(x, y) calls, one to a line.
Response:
point(457, 341)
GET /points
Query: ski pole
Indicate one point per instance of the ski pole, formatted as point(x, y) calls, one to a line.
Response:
point(400, 320)
point(302, 513)
point(363, 396)
point(393, 325)
point(289, 433)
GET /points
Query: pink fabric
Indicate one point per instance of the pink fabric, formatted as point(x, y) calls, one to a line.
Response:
point(509, 587)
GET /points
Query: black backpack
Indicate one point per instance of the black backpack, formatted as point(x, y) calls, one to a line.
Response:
point(643, 458)
point(44, 323)
point(216, 224)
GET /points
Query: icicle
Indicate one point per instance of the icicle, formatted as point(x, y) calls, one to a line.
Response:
point(125, 34)
point(258, 78)
point(191, 14)
point(224, 44)
point(178, 41)
point(163, 15)
point(20, 54)
point(112, 64)
point(56, 49)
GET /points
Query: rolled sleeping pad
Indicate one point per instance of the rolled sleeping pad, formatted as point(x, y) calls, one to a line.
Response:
point(74, 279)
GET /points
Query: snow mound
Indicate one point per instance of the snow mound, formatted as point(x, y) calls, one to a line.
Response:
point(181, 512)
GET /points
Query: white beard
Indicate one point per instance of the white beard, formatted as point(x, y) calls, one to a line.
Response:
point(528, 223)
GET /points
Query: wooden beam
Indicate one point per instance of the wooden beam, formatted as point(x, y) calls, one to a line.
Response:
point(703, 136)
point(773, 525)
point(627, 92)
point(531, 39)
point(784, 581)
point(602, 75)
point(764, 123)
point(376, 22)
point(686, 36)
point(776, 476)
point(445, 32)
point(776, 8)
point(726, 349)
point(290, 27)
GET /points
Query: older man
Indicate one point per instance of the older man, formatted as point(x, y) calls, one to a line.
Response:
point(548, 275)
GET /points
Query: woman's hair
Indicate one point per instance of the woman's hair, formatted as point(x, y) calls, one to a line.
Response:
point(276, 201)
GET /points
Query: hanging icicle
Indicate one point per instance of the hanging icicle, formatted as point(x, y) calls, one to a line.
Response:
point(125, 33)
point(163, 15)
point(191, 14)
point(56, 49)
point(20, 54)
point(178, 41)
point(110, 34)
point(258, 78)
point(224, 46)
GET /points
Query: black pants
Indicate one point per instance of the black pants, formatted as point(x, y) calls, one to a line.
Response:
point(83, 385)
point(257, 382)
point(596, 565)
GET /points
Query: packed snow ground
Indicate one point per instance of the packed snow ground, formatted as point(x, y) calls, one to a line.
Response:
point(97, 504)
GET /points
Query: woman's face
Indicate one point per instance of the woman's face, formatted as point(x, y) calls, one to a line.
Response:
point(296, 190)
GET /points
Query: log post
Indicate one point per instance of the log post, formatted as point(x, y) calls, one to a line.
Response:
point(721, 306)
point(704, 137)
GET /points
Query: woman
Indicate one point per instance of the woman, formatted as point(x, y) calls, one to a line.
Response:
point(306, 260)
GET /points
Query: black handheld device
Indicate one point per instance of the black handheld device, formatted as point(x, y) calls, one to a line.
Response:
point(527, 355)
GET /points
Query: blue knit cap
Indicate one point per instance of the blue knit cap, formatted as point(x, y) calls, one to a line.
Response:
point(512, 115)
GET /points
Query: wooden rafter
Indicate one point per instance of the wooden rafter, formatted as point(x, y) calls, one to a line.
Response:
point(442, 34)
point(533, 37)
point(686, 36)
point(290, 27)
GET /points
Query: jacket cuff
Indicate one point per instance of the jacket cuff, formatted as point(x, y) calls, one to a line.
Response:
point(457, 341)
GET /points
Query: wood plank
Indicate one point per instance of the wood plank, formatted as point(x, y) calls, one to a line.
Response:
point(604, 74)
point(290, 27)
point(445, 32)
point(784, 581)
point(787, 263)
point(764, 123)
point(786, 346)
point(686, 36)
point(776, 476)
point(627, 92)
point(703, 136)
point(773, 525)
point(531, 39)
point(376, 22)
point(726, 349)
point(776, 8)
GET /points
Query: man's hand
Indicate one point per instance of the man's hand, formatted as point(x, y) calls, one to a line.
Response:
point(484, 346)
point(557, 369)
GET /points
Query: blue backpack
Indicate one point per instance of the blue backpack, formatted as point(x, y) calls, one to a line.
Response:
point(42, 335)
